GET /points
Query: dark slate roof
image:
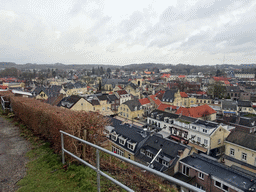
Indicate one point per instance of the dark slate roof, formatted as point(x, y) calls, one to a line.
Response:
point(79, 84)
point(102, 97)
point(160, 115)
point(133, 86)
point(243, 139)
point(227, 174)
point(52, 91)
point(132, 104)
point(68, 102)
point(95, 102)
point(113, 82)
point(203, 97)
point(169, 151)
point(133, 133)
point(244, 103)
point(112, 98)
point(247, 121)
point(229, 105)
point(69, 86)
point(232, 89)
point(239, 162)
point(169, 95)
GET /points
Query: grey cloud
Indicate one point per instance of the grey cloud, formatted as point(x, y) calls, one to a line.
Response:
point(171, 14)
point(77, 7)
point(133, 22)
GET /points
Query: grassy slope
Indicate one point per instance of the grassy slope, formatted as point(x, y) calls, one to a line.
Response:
point(45, 172)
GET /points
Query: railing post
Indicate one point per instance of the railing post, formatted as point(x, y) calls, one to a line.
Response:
point(98, 169)
point(62, 148)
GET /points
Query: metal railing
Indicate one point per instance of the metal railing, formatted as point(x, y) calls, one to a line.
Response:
point(3, 103)
point(100, 173)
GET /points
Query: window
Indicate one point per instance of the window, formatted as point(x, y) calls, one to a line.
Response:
point(201, 175)
point(122, 141)
point(129, 156)
point(185, 170)
point(244, 156)
point(199, 139)
point(130, 146)
point(82, 104)
point(193, 127)
point(225, 187)
point(219, 141)
point(232, 151)
point(121, 108)
point(142, 151)
point(204, 130)
point(221, 185)
point(113, 137)
point(185, 135)
point(117, 150)
point(157, 159)
point(205, 141)
point(165, 163)
point(199, 186)
point(218, 184)
point(150, 155)
point(175, 131)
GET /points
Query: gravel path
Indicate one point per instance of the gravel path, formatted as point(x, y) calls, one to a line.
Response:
point(12, 156)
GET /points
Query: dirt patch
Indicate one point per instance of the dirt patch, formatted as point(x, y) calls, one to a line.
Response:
point(12, 156)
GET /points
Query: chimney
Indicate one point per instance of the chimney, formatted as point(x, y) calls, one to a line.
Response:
point(180, 152)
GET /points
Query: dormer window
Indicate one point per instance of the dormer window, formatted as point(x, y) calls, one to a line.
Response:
point(193, 127)
point(150, 155)
point(131, 145)
point(204, 131)
point(114, 136)
point(142, 151)
point(122, 140)
point(165, 163)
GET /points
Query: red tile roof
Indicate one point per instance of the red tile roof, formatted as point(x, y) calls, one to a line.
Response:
point(155, 100)
point(3, 87)
point(144, 101)
point(147, 72)
point(119, 86)
point(196, 112)
point(183, 94)
point(221, 78)
point(181, 76)
point(122, 92)
point(227, 82)
point(160, 94)
point(166, 75)
point(201, 92)
point(163, 106)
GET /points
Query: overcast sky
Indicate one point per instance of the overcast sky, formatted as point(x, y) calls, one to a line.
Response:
point(122, 32)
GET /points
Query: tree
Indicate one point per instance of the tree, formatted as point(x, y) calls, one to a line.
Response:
point(216, 90)
point(218, 73)
point(108, 70)
point(99, 85)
